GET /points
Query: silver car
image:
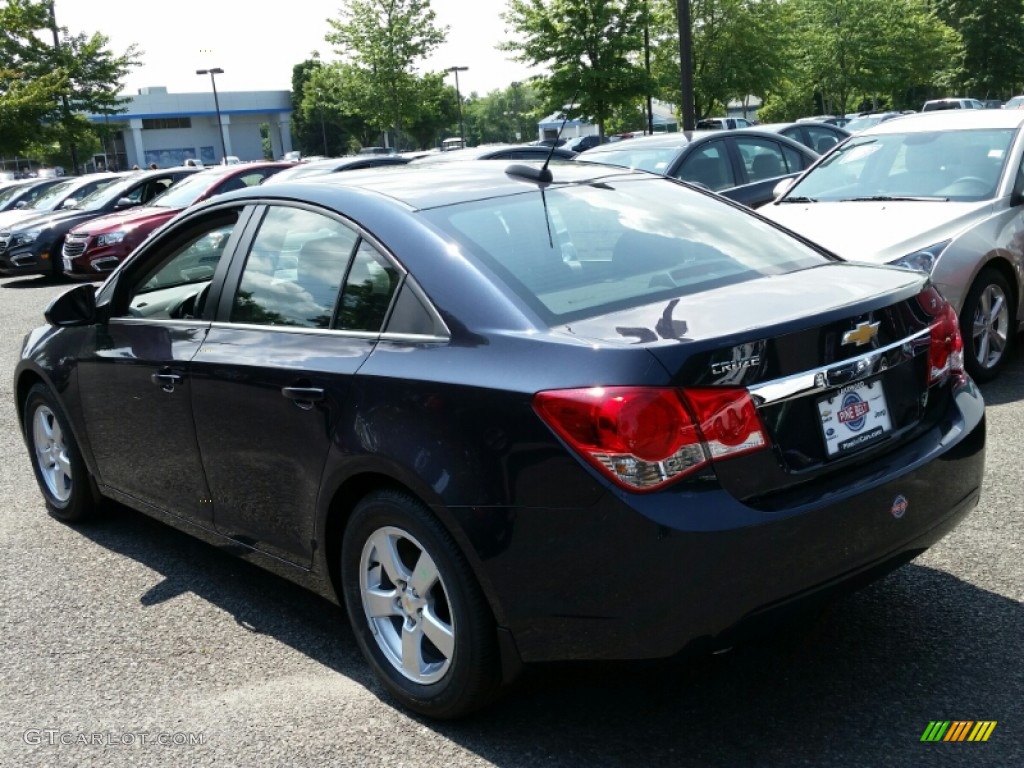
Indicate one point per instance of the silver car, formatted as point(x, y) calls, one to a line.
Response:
point(941, 192)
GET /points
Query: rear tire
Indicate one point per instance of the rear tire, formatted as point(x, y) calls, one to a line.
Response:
point(417, 612)
point(67, 487)
point(57, 261)
point(988, 323)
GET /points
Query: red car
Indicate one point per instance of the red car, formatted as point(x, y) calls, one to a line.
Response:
point(92, 250)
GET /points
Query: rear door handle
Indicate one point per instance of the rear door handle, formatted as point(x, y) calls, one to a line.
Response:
point(303, 397)
point(166, 381)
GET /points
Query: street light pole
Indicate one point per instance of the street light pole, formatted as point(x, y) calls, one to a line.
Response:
point(216, 103)
point(458, 98)
point(686, 61)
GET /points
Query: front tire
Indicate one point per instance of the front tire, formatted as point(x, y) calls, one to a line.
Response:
point(67, 487)
point(417, 612)
point(988, 323)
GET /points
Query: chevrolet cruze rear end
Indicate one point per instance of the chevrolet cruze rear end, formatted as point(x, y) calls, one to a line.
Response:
point(510, 417)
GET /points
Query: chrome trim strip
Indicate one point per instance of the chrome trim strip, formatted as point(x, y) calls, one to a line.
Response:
point(402, 338)
point(195, 323)
point(820, 380)
point(414, 338)
point(368, 336)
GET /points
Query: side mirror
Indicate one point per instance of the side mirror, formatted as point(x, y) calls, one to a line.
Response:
point(74, 307)
point(71, 202)
point(782, 188)
point(124, 202)
point(20, 204)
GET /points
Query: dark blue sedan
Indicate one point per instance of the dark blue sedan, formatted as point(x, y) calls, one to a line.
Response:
point(511, 414)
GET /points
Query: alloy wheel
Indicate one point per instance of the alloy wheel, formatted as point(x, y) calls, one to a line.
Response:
point(52, 453)
point(406, 604)
point(991, 326)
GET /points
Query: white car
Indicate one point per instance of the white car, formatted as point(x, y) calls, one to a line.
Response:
point(942, 192)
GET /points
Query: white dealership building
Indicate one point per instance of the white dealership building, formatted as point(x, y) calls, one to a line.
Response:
point(170, 128)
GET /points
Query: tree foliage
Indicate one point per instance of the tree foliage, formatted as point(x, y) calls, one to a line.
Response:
point(380, 42)
point(46, 89)
point(853, 54)
point(740, 48)
point(993, 45)
point(590, 47)
point(507, 115)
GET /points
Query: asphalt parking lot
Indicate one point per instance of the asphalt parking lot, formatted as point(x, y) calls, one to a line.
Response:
point(128, 643)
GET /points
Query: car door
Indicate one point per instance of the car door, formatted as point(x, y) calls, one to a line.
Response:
point(135, 386)
point(275, 372)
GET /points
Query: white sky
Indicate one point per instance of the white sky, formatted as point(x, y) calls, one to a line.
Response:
point(257, 44)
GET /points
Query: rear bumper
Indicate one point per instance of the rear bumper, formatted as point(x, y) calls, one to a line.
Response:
point(643, 577)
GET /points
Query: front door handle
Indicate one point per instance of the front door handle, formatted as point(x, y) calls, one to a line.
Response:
point(166, 381)
point(303, 397)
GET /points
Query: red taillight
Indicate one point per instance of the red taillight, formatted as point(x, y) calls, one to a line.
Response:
point(645, 437)
point(946, 349)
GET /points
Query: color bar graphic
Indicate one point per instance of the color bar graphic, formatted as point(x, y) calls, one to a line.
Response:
point(959, 730)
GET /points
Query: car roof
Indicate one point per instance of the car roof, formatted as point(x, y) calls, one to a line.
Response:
point(953, 119)
point(337, 163)
point(431, 186)
point(682, 138)
point(467, 154)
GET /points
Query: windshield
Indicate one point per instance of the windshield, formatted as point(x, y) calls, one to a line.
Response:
point(51, 197)
point(99, 198)
point(637, 157)
point(8, 192)
point(187, 191)
point(932, 165)
point(585, 250)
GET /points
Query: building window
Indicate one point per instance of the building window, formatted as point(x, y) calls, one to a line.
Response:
point(156, 123)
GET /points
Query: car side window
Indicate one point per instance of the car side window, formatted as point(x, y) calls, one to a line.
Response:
point(294, 270)
point(708, 165)
point(369, 288)
point(172, 275)
point(763, 159)
point(821, 139)
point(794, 160)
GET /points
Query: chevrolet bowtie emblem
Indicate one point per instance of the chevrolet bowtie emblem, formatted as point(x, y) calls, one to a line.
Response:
point(861, 335)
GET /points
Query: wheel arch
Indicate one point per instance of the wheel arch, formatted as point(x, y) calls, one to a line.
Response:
point(343, 499)
point(1000, 262)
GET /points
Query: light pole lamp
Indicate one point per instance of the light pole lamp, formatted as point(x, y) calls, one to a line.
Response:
point(458, 98)
point(216, 103)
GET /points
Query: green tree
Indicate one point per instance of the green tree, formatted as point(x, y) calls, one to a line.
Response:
point(322, 120)
point(380, 42)
point(856, 51)
point(740, 48)
point(436, 109)
point(993, 45)
point(47, 89)
point(590, 47)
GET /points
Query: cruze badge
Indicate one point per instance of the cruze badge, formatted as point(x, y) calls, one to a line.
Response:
point(863, 334)
point(731, 366)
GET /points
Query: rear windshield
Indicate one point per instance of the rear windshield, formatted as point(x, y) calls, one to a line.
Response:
point(637, 157)
point(579, 251)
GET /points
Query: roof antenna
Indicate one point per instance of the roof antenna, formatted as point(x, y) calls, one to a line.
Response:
point(543, 174)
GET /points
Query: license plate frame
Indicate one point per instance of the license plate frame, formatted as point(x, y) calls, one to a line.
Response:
point(855, 416)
